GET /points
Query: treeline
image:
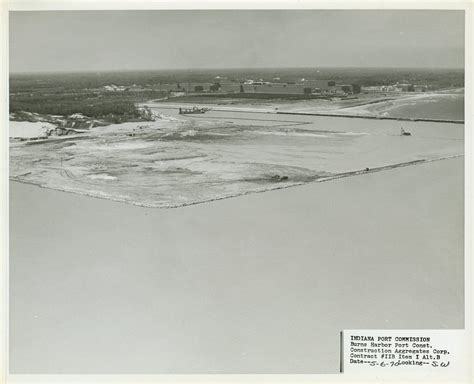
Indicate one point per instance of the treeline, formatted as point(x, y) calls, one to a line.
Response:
point(74, 81)
point(109, 106)
point(67, 107)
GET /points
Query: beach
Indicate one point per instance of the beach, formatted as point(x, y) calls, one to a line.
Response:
point(260, 283)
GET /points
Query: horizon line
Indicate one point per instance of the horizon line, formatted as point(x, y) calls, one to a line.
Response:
point(77, 71)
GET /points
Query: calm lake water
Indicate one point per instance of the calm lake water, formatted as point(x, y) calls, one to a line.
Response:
point(447, 106)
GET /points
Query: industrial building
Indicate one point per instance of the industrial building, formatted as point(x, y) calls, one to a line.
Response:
point(405, 87)
point(346, 88)
point(304, 87)
point(395, 88)
point(277, 88)
point(230, 86)
point(196, 87)
point(321, 86)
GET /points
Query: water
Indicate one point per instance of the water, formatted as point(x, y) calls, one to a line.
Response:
point(438, 106)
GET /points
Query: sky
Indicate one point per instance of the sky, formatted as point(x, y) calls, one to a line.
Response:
point(51, 41)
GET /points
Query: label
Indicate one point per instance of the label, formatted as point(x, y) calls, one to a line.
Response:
point(433, 351)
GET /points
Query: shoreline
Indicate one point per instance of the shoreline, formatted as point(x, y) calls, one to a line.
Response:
point(366, 106)
point(298, 184)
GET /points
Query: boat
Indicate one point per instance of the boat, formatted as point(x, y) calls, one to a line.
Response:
point(405, 133)
point(193, 110)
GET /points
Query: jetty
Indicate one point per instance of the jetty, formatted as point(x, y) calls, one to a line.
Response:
point(371, 117)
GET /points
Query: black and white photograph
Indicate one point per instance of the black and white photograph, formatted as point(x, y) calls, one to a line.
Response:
point(228, 191)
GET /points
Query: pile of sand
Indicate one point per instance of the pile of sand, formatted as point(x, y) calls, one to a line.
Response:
point(29, 130)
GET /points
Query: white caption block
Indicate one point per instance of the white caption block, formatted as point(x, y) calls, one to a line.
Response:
point(439, 352)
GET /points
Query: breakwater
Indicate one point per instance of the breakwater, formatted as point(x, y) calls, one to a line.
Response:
point(371, 117)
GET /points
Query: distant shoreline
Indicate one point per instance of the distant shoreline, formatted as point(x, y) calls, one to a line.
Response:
point(364, 105)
